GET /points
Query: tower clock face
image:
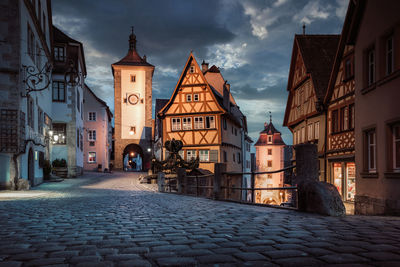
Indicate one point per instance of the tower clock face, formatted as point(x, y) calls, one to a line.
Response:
point(133, 99)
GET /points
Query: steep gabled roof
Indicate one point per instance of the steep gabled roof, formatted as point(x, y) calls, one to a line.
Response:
point(269, 130)
point(110, 115)
point(318, 53)
point(176, 90)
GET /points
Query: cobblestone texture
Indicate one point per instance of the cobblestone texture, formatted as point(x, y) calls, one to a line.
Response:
point(112, 220)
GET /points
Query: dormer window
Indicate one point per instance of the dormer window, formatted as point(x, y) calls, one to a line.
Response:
point(59, 53)
point(269, 139)
point(191, 69)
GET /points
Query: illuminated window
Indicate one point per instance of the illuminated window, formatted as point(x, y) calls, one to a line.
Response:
point(59, 133)
point(187, 123)
point(176, 124)
point(91, 157)
point(198, 123)
point(204, 155)
point(310, 131)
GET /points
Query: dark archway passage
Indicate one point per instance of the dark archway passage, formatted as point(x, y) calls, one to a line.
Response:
point(132, 158)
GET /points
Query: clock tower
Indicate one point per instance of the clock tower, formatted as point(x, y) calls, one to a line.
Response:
point(132, 110)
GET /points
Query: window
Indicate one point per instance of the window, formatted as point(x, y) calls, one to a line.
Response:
point(191, 69)
point(248, 164)
point(234, 157)
point(269, 139)
point(40, 121)
point(210, 122)
point(371, 150)
point(389, 55)
point(239, 157)
point(31, 43)
point(187, 123)
point(92, 116)
point(351, 116)
point(59, 53)
point(92, 143)
point(310, 131)
point(81, 141)
point(198, 123)
point(371, 66)
point(345, 123)
point(348, 68)
point(190, 154)
point(225, 157)
point(303, 134)
point(133, 78)
point(92, 157)
point(396, 146)
point(196, 97)
point(269, 151)
point(269, 163)
point(58, 91)
point(204, 155)
point(224, 123)
point(78, 99)
point(341, 121)
point(92, 135)
point(59, 133)
point(188, 98)
point(30, 112)
point(335, 121)
point(269, 176)
point(316, 130)
point(176, 124)
point(235, 132)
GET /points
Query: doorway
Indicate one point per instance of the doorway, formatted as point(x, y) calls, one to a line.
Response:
point(31, 168)
point(133, 158)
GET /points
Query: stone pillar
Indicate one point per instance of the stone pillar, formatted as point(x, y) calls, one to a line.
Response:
point(182, 181)
point(306, 162)
point(161, 181)
point(219, 176)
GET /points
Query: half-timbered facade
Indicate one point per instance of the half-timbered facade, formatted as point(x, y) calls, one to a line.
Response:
point(340, 161)
point(202, 113)
point(310, 68)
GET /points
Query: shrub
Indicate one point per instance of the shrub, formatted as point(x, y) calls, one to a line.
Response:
point(59, 163)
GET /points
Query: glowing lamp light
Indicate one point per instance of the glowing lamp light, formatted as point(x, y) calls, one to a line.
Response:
point(132, 131)
point(56, 138)
point(149, 149)
point(132, 154)
point(50, 133)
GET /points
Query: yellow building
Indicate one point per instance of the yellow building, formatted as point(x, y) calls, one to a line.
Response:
point(203, 114)
point(269, 157)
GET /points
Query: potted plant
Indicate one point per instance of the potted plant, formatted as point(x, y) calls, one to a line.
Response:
point(60, 168)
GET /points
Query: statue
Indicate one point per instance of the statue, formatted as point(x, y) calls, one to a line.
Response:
point(174, 160)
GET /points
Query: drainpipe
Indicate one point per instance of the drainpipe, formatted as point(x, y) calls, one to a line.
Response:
point(325, 148)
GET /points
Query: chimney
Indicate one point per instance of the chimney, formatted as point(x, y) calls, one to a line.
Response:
point(226, 94)
point(204, 66)
point(144, 58)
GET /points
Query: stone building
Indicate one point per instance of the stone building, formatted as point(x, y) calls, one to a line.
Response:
point(25, 96)
point(133, 110)
point(375, 34)
point(269, 157)
point(69, 72)
point(97, 132)
point(158, 130)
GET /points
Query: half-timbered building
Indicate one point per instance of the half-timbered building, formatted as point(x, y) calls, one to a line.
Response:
point(310, 68)
point(203, 114)
point(339, 100)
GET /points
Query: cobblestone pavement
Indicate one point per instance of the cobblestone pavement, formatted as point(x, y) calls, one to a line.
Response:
point(112, 220)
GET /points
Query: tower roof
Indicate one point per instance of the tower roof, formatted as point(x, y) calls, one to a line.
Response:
point(269, 130)
point(132, 58)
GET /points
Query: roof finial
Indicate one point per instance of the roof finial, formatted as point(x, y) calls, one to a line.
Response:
point(132, 40)
point(270, 117)
point(304, 28)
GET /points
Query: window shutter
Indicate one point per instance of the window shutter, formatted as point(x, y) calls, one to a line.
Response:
point(213, 155)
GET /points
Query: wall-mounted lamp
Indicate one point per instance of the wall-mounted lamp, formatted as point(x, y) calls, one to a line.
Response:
point(132, 130)
point(132, 154)
point(149, 149)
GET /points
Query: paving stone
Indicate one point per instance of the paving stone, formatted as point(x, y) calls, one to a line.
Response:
point(11, 264)
point(260, 242)
point(382, 256)
point(249, 256)
point(216, 258)
point(342, 258)
point(28, 256)
point(205, 245)
point(284, 253)
point(174, 261)
point(299, 261)
point(79, 259)
point(45, 261)
point(64, 254)
point(170, 248)
point(136, 263)
point(121, 257)
point(135, 250)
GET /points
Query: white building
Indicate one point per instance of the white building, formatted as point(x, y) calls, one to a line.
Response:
point(25, 96)
point(97, 132)
point(67, 101)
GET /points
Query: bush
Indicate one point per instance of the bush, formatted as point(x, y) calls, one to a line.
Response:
point(46, 169)
point(59, 163)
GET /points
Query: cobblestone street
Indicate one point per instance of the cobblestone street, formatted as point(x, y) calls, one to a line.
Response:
point(112, 220)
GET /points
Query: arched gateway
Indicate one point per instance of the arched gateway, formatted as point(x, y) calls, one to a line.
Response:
point(132, 100)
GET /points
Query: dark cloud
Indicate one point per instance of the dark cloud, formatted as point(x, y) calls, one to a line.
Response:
point(250, 40)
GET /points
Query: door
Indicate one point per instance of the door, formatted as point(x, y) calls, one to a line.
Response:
point(31, 168)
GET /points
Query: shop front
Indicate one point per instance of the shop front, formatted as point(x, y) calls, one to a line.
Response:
point(343, 175)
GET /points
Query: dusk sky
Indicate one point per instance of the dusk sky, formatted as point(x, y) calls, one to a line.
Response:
point(251, 42)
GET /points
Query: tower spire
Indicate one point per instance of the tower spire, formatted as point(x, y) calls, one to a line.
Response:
point(304, 28)
point(270, 117)
point(132, 40)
